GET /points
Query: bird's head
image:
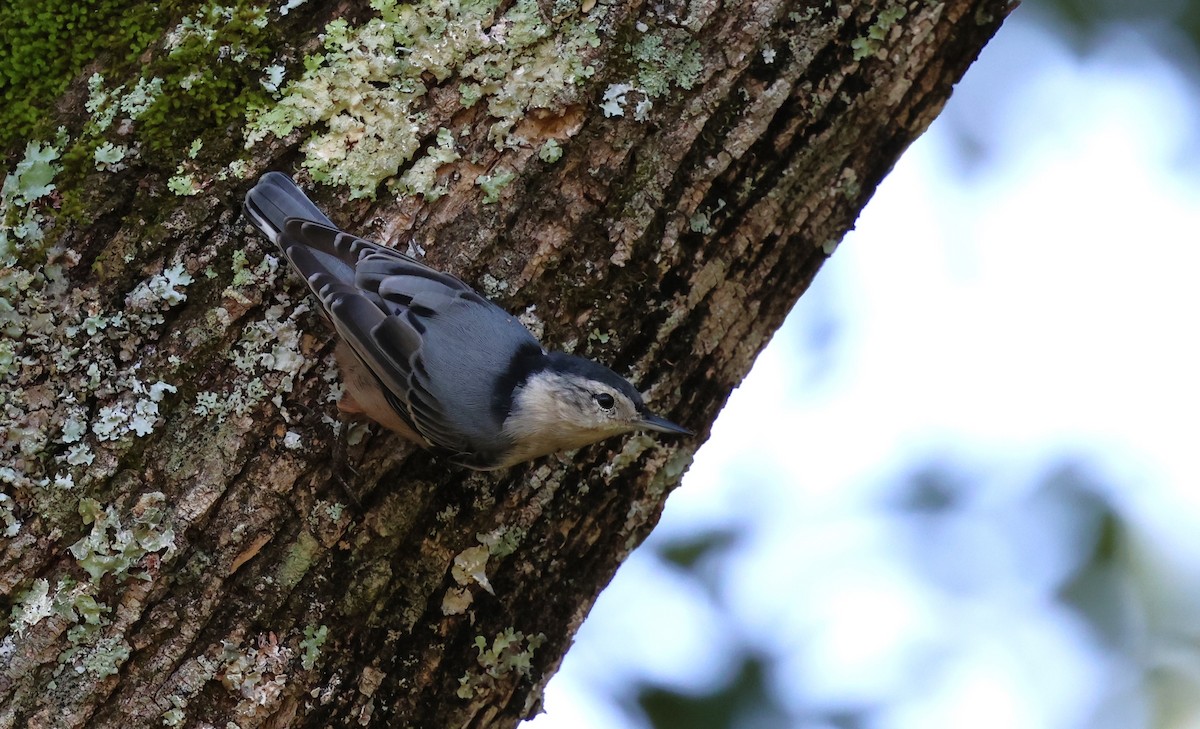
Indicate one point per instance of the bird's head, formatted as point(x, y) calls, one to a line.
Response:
point(572, 401)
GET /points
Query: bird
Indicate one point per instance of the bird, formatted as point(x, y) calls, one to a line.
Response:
point(425, 355)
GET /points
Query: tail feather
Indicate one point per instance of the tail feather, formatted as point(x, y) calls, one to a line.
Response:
point(274, 200)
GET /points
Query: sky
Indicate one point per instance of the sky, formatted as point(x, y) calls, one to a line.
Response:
point(1015, 316)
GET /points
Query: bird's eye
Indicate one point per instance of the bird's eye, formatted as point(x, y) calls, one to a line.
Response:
point(604, 400)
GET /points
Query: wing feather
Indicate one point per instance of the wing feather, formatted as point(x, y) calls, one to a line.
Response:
point(402, 319)
point(391, 348)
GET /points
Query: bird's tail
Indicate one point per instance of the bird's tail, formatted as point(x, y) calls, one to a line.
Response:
point(275, 199)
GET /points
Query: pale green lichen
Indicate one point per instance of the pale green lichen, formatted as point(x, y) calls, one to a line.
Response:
point(267, 355)
point(670, 57)
point(105, 658)
point(110, 548)
point(314, 638)
point(109, 156)
point(104, 104)
point(701, 222)
point(421, 178)
point(143, 95)
point(8, 360)
point(298, 560)
point(68, 600)
point(273, 77)
point(264, 274)
point(494, 183)
point(242, 274)
point(101, 104)
point(613, 101)
point(78, 604)
point(289, 5)
point(32, 606)
point(364, 92)
point(176, 715)
point(238, 169)
point(164, 287)
point(532, 321)
point(257, 674)
point(492, 286)
point(550, 152)
point(104, 395)
point(183, 183)
point(29, 182)
point(669, 473)
point(107, 387)
point(598, 336)
point(510, 652)
point(503, 540)
point(849, 185)
point(136, 413)
point(470, 565)
point(868, 45)
point(616, 97)
point(204, 28)
point(8, 517)
point(469, 94)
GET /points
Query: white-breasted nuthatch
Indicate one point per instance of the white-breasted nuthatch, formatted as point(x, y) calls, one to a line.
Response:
point(424, 355)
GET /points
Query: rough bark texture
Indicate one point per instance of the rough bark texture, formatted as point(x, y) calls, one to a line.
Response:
point(190, 558)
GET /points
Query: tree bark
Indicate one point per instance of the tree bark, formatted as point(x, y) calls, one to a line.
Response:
point(653, 186)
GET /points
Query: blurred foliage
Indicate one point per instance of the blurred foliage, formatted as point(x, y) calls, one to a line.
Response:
point(1087, 19)
point(743, 701)
point(687, 554)
point(1063, 532)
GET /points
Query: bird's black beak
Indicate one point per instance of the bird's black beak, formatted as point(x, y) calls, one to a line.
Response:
point(650, 421)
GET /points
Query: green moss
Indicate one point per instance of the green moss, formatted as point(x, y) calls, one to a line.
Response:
point(48, 42)
point(212, 72)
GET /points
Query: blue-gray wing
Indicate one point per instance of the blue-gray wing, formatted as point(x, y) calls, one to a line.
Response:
point(405, 320)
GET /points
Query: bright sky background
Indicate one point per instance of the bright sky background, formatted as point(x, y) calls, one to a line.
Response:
point(997, 313)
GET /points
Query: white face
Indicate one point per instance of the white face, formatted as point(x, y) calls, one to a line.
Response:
point(558, 412)
point(601, 408)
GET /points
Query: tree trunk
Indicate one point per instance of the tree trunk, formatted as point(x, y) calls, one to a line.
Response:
point(652, 186)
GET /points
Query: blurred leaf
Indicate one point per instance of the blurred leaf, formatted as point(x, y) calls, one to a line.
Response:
point(1089, 15)
point(744, 701)
point(1102, 598)
point(1086, 521)
point(931, 489)
point(687, 554)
